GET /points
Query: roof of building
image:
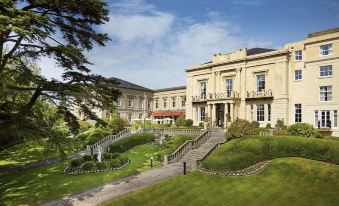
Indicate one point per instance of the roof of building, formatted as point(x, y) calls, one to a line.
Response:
point(170, 88)
point(254, 51)
point(129, 85)
point(323, 32)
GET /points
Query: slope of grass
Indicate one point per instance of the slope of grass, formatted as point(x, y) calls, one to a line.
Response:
point(35, 186)
point(286, 181)
point(27, 152)
point(247, 151)
point(133, 140)
point(175, 142)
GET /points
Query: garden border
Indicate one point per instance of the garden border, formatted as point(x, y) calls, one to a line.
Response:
point(77, 172)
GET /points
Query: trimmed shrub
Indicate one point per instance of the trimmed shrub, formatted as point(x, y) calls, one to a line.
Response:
point(116, 123)
point(76, 162)
point(115, 163)
point(268, 126)
point(87, 158)
point(302, 129)
point(180, 121)
point(122, 158)
point(131, 141)
point(110, 156)
point(201, 124)
point(255, 124)
point(239, 128)
point(280, 125)
point(95, 157)
point(102, 165)
point(188, 123)
point(282, 132)
point(88, 166)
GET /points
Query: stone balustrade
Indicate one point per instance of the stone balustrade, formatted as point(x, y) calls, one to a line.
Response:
point(171, 132)
point(216, 96)
point(184, 148)
point(260, 94)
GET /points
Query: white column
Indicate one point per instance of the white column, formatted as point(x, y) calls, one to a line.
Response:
point(213, 114)
point(232, 112)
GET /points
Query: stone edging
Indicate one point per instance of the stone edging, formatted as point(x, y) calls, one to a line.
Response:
point(77, 172)
point(251, 170)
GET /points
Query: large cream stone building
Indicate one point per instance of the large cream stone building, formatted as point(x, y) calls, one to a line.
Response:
point(298, 83)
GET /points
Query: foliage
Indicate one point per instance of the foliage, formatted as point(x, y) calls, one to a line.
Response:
point(87, 158)
point(268, 126)
point(239, 128)
point(115, 163)
point(173, 144)
point(93, 135)
point(110, 156)
point(136, 124)
point(62, 31)
point(180, 121)
point(133, 140)
point(88, 166)
point(117, 123)
point(102, 165)
point(255, 124)
point(247, 151)
point(282, 132)
point(188, 123)
point(84, 125)
point(280, 125)
point(122, 158)
point(76, 162)
point(302, 129)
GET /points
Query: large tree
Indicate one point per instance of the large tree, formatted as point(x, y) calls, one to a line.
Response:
point(61, 30)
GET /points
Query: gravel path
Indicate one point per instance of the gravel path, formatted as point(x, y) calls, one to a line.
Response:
point(27, 166)
point(120, 187)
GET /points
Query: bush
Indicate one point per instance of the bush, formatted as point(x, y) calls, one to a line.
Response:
point(116, 123)
point(188, 123)
point(84, 125)
point(131, 141)
point(282, 132)
point(76, 162)
point(239, 128)
point(88, 166)
point(102, 165)
point(180, 121)
point(255, 124)
point(280, 125)
point(93, 135)
point(201, 124)
point(87, 158)
point(110, 156)
point(122, 158)
point(115, 163)
point(302, 129)
point(268, 126)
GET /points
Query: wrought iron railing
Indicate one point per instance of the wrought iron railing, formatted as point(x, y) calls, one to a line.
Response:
point(259, 94)
point(216, 96)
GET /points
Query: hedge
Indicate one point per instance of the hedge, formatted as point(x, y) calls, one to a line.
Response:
point(131, 141)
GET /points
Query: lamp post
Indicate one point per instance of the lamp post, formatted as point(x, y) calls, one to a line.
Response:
point(151, 161)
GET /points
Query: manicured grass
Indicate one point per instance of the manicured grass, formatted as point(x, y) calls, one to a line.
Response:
point(174, 143)
point(30, 151)
point(286, 181)
point(243, 152)
point(36, 186)
point(133, 140)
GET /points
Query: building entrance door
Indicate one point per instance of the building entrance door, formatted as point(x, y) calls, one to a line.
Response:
point(220, 115)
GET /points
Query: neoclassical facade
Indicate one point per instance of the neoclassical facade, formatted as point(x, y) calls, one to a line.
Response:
point(297, 83)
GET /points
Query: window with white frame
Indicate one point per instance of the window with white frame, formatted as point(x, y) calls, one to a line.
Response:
point(165, 103)
point(316, 119)
point(298, 113)
point(298, 74)
point(260, 82)
point(203, 88)
point(260, 113)
point(183, 101)
point(149, 104)
point(130, 102)
point(326, 50)
point(157, 103)
point(326, 93)
point(141, 103)
point(325, 119)
point(118, 103)
point(335, 119)
point(298, 55)
point(202, 114)
point(173, 102)
point(229, 87)
point(269, 112)
point(252, 112)
point(326, 71)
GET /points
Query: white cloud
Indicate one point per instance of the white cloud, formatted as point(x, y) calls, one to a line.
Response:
point(153, 48)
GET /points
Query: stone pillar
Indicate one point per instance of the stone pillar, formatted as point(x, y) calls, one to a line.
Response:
point(232, 111)
point(213, 116)
point(194, 115)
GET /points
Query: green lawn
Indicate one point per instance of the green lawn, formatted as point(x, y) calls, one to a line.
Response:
point(246, 151)
point(286, 181)
point(30, 151)
point(39, 185)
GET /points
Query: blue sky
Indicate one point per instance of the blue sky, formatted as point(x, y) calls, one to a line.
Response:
point(154, 41)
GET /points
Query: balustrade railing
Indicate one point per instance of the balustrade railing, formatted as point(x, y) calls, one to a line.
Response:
point(259, 94)
point(216, 96)
point(91, 149)
point(193, 132)
point(184, 148)
point(199, 162)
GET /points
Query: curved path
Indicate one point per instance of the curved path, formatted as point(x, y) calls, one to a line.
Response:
point(120, 187)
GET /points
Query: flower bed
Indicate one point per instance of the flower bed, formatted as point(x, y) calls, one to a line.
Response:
point(78, 170)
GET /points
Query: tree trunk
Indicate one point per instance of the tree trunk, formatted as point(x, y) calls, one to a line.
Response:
point(32, 101)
